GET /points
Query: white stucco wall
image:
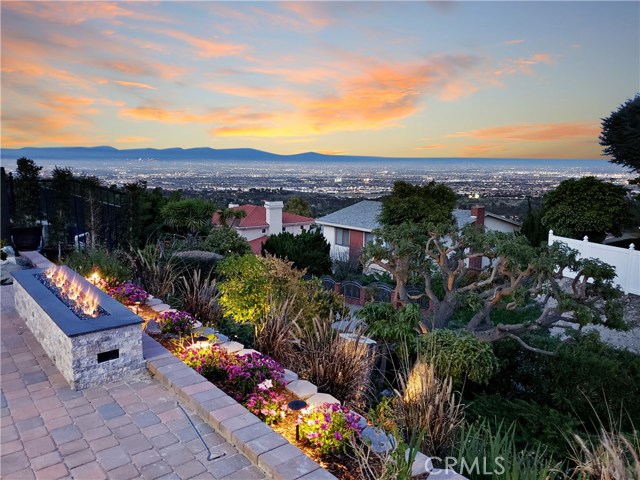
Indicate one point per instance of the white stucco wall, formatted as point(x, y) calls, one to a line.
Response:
point(496, 225)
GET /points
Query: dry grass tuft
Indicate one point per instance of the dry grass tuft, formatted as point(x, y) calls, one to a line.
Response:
point(199, 296)
point(429, 405)
point(274, 336)
point(613, 457)
point(336, 365)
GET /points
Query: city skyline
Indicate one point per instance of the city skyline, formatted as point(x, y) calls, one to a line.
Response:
point(405, 79)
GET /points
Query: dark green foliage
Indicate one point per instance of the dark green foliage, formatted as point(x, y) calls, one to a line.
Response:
point(535, 424)
point(192, 260)
point(386, 324)
point(27, 193)
point(309, 250)
point(621, 135)
point(141, 214)
point(417, 204)
point(242, 332)
point(586, 206)
point(298, 206)
point(189, 216)
point(225, 241)
point(111, 265)
point(532, 226)
point(586, 379)
point(458, 355)
point(61, 179)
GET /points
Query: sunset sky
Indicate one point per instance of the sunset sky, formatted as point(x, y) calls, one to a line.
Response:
point(412, 79)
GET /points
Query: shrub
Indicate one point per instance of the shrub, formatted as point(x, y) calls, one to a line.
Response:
point(329, 427)
point(458, 355)
point(246, 372)
point(128, 293)
point(199, 295)
point(537, 424)
point(177, 323)
point(207, 361)
point(111, 266)
point(429, 405)
point(338, 366)
point(157, 269)
point(267, 404)
point(226, 241)
point(611, 457)
point(274, 336)
point(483, 453)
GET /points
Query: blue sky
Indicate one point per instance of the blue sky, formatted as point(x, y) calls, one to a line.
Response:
point(432, 79)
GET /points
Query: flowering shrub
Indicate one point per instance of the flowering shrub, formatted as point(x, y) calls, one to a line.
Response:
point(267, 404)
point(208, 361)
point(328, 427)
point(127, 293)
point(180, 323)
point(246, 372)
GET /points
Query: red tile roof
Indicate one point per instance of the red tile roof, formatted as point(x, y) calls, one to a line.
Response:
point(256, 245)
point(257, 217)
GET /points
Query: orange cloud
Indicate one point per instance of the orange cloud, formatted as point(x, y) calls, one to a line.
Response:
point(523, 65)
point(205, 48)
point(73, 13)
point(431, 147)
point(310, 13)
point(125, 83)
point(482, 150)
point(542, 132)
point(518, 41)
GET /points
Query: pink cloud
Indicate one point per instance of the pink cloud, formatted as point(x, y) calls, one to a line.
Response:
point(542, 132)
point(205, 48)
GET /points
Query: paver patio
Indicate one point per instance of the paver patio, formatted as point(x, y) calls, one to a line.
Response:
point(123, 430)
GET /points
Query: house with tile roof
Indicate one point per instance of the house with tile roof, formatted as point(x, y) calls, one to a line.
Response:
point(348, 230)
point(259, 223)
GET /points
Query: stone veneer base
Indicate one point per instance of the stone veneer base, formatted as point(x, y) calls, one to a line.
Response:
point(259, 442)
point(87, 353)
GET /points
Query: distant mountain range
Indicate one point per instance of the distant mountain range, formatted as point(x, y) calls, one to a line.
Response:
point(106, 153)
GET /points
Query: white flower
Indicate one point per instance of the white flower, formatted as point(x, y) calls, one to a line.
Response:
point(266, 385)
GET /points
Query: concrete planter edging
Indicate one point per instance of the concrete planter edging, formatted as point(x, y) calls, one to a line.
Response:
point(255, 439)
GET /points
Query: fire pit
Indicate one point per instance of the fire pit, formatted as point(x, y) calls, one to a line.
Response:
point(92, 338)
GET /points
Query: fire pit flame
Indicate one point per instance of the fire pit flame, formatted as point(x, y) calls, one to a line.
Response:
point(85, 300)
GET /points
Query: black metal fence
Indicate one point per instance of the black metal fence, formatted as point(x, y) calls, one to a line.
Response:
point(91, 214)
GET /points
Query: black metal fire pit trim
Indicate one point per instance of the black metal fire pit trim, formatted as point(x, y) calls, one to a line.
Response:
point(67, 321)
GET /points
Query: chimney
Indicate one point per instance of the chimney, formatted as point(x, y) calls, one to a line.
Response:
point(478, 212)
point(274, 216)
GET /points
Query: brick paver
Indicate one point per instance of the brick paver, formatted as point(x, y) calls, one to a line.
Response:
point(124, 430)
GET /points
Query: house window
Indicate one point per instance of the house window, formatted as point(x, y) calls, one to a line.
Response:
point(264, 230)
point(342, 237)
point(368, 238)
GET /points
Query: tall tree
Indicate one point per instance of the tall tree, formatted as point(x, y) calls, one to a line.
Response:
point(621, 135)
point(586, 206)
point(405, 218)
point(515, 276)
point(298, 206)
point(308, 251)
point(61, 184)
point(27, 192)
point(190, 216)
point(532, 226)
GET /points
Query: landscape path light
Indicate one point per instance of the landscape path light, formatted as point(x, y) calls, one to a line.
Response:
point(295, 406)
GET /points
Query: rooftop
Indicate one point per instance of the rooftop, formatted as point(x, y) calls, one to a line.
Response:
point(364, 216)
point(256, 217)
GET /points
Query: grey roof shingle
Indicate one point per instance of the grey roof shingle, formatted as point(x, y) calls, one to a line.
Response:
point(359, 216)
point(364, 216)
